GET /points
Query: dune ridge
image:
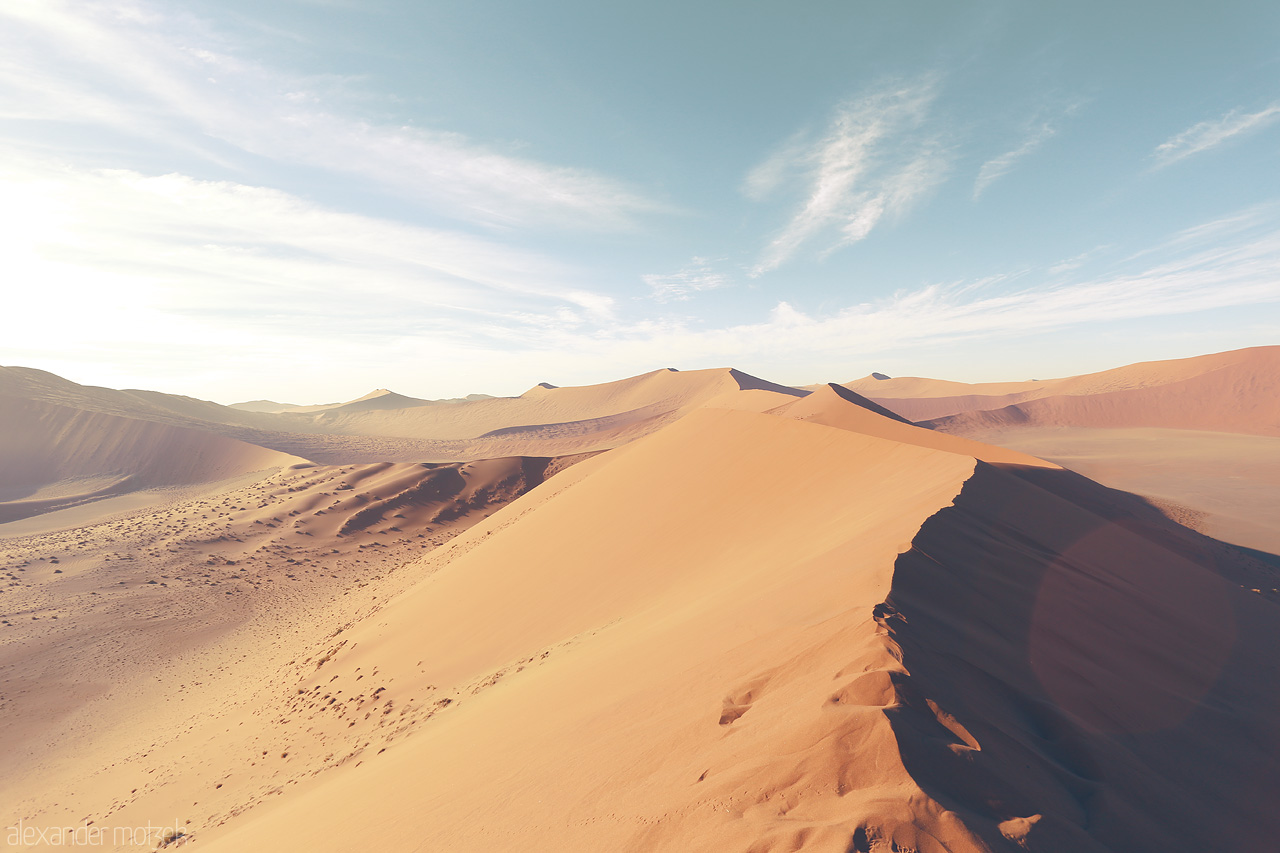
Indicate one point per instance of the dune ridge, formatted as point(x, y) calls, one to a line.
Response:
point(1228, 380)
point(384, 426)
point(767, 622)
point(830, 641)
point(651, 691)
point(1232, 392)
point(839, 407)
point(52, 457)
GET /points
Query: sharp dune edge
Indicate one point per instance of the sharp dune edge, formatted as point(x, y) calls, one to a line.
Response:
point(1198, 436)
point(775, 623)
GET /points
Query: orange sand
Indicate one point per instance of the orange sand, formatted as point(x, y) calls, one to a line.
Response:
point(765, 623)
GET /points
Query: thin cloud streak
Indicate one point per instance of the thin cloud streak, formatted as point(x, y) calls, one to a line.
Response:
point(1037, 132)
point(427, 319)
point(866, 166)
point(1237, 274)
point(1210, 134)
point(998, 167)
point(698, 275)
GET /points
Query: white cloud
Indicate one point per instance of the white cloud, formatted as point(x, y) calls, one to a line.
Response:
point(106, 256)
point(169, 79)
point(234, 292)
point(696, 276)
point(870, 163)
point(1035, 134)
point(1210, 134)
point(1235, 272)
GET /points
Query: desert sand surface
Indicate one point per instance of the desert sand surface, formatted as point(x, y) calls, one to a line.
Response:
point(835, 406)
point(1198, 436)
point(102, 620)
point(1233, 391)
point(763, 621)
point(53, 457)
point(1226, 485)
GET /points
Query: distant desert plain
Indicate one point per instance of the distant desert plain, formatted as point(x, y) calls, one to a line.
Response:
point(683, 611)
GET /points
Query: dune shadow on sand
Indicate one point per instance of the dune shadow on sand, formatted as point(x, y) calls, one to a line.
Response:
point(1086, 675)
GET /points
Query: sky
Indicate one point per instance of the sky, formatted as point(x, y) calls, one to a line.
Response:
point(303, 200)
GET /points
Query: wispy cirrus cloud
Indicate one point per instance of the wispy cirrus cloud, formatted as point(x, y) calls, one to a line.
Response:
point(1238, 269)
point(871, 162)
point(171, 80)
point(696, 276)
point(1039, 131)
point(98, 257)
point(1210, 134)
point(229, 286)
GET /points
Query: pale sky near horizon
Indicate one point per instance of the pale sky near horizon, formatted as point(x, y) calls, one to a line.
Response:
point(302, 200)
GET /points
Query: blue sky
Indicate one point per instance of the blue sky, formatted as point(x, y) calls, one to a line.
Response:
point(304, 199)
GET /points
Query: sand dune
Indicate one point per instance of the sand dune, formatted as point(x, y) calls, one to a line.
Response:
point(765, 621)
point(743, 632)
point(384, 426)
point(1233, 379)
point(380, 398)
point(724, 686)
point(1173, 431)
point(53, 457)
point(1225, 485)
point(219, 589)
point(1231, 392)
point(835, 406)
point(639, 398)
point(25, 383)
point(626, 674)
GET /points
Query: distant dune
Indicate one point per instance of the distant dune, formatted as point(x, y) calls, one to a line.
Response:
point(609, 407)
point(384, 426)
point(1232, 391)
point(381, 398)
point(836, 406)
point(52, 457)
point(1170, 430)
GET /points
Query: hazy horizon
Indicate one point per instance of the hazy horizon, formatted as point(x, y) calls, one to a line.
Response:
point(306, 199)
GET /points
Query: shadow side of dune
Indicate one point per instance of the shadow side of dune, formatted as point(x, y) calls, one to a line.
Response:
point(1086, 675)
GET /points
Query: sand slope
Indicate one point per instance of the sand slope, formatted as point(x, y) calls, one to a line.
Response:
point(811, 629)
point(1225, 485)
point(823, 641)
point(608, 665)
point(1220, 391)
point(1232, 392)
point(835, 406)
point(53, 457)
point(140, 628)
point(1114, 673)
